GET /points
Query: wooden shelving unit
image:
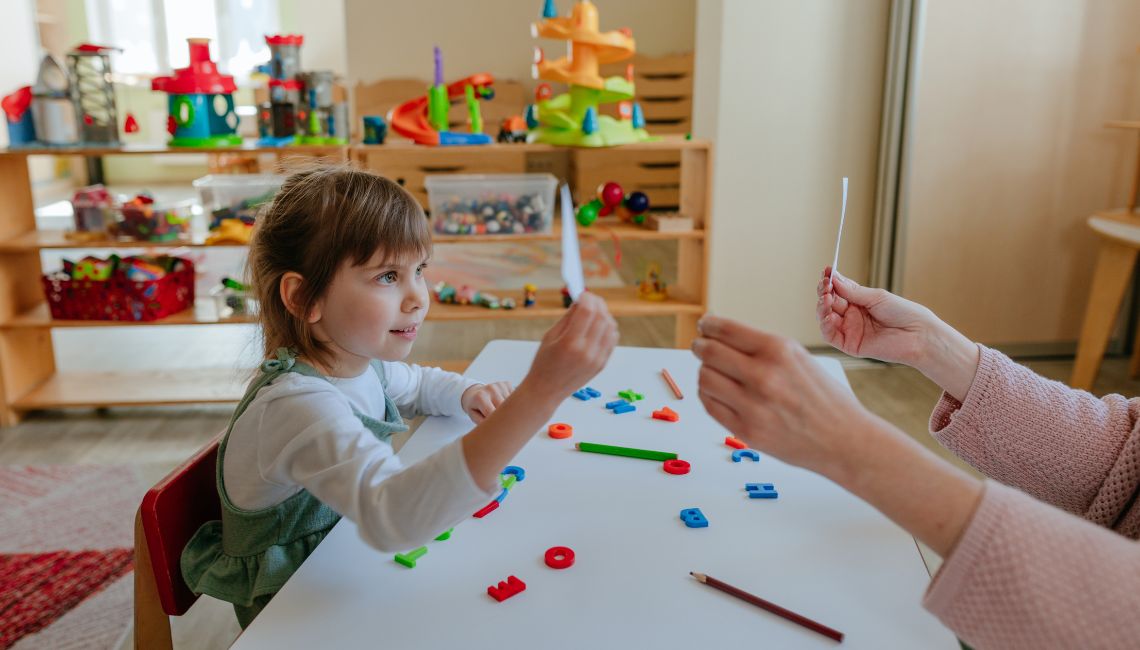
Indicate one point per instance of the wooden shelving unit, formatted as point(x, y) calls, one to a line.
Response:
point(675, 173)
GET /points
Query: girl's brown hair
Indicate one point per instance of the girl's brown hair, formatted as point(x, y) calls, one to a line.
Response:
point(322, 217)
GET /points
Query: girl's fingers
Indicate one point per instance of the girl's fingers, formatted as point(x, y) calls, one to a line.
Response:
point(722, 387)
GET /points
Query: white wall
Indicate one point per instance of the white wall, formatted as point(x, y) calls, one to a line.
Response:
point(1010, 156)
point(323, 25)
point(790, 93)
point(395, 39)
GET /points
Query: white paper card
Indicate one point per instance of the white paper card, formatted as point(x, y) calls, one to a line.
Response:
point(571, 257)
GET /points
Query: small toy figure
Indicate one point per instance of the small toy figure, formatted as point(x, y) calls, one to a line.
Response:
point(512, 129)
point(651, 287)
point(529, 291)
point(201, 103)
point(466, 295)
point(508, 303)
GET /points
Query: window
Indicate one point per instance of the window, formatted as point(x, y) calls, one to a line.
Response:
point(153, 33)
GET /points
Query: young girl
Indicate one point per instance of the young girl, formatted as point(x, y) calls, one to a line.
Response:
point(337, 263)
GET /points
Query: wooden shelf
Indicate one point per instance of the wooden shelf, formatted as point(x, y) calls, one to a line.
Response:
point(151, 150)
point(602, 230)
point(622, 301)
point(50, 239)
point(203, 313)
point(135, 388)
point(249, 147)
point(673, 172)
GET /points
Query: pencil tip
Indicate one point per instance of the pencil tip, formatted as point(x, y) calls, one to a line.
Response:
point(699, 576)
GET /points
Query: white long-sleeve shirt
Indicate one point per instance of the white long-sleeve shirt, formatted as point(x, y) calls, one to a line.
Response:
point(300, 432)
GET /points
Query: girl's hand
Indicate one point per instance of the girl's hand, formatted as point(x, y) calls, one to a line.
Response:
point(768, 391)
point(574, 350)
point(875, 323)
point(481, 400)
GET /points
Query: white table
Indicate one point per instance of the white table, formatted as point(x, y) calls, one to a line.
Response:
point(815, 550)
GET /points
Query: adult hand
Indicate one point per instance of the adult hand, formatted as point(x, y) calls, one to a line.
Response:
point(770, 392)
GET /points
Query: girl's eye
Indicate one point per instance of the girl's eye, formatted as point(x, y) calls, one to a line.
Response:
point(387, 278)
point(420, 270)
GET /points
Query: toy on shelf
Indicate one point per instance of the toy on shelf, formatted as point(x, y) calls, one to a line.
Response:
point(491, 204)
point(611, 199)
point(94, 210)
point(323, 121)
point(232, 299)
point(375, 128)
point(572, 119)
point(92, 93)
point(142, 219)
point(446, 294)
point(424, 119)
point(512, 129)
point(56, 120)
point(201, 103)
point(127, 289)
point(18, 111)
point(277, 121)
point(652, 287)
point(233, 201)
point(529, 293)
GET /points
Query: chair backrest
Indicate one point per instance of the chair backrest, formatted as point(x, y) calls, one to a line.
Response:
point(171, 512)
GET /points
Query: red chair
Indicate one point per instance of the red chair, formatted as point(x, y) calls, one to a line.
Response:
point(170, 514)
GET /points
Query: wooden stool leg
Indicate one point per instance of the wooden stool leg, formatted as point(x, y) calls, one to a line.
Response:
point(152, 625)
point(1113, 273)
point(1134, 367)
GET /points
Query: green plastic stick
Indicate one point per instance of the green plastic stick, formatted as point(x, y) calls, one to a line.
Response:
point(409, 559)
point(647, 454)
point(507, 481)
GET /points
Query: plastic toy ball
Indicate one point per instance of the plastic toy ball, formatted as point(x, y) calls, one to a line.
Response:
point(588, 212)
point(610, 194)
point(637, 203)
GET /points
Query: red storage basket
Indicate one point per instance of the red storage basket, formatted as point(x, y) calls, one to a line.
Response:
point(119, 298)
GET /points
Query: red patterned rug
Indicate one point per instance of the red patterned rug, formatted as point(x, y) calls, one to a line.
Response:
point(66, 553)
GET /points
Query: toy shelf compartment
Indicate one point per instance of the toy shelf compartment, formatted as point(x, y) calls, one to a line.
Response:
point(603, 230)
point(676, 169)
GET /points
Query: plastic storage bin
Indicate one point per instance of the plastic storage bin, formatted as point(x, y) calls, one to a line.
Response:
point(141, 220)
point(491, 204)
point(230, 196)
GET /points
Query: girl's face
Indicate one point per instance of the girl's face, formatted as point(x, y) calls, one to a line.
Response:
point(372, 311)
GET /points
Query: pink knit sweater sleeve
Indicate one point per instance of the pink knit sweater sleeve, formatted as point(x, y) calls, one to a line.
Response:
point(1024, 574)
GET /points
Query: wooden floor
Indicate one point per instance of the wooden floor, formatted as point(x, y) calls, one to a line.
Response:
point(162, 437)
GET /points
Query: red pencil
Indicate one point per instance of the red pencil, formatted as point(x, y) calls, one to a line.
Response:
point(672, 384)
point(771, 607)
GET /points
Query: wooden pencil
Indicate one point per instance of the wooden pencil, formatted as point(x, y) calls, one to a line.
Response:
point(672, 384)
point(771, 607)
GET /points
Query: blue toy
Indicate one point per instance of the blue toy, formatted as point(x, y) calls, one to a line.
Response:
point(518, 472)
point(761, 491)
point(502, 495)
point(201, 102)
point(621, 406)
point(745, 453)
point(586, 394)
point(694, 518)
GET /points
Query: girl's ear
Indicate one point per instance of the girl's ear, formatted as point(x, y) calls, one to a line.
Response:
point(290, 288)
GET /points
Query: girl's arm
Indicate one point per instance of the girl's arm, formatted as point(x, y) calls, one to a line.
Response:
point(422, 390)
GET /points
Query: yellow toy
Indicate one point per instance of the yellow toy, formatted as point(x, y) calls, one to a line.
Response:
point(572, 119)
point(651, 287)
point(230, 231)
